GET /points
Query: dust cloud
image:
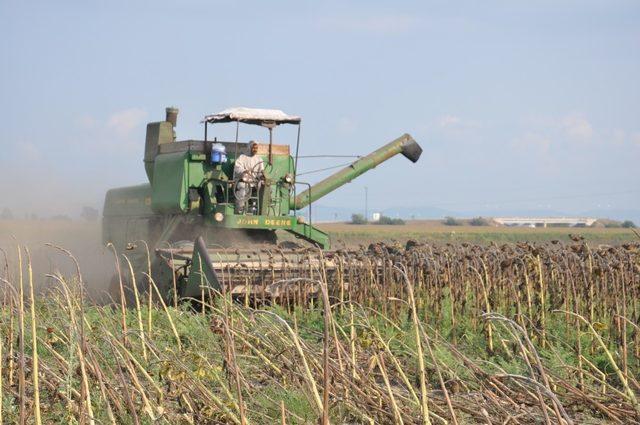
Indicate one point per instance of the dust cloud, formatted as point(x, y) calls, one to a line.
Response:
point(43, 239)
point(82, 239)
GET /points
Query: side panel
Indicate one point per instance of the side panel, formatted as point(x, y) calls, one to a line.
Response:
point(122, 205)
point(158, 133)
point(170, 183)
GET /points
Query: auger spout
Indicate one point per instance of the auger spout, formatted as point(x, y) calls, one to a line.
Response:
point(404, 144)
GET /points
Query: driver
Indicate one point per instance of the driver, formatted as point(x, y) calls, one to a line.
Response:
point(248, 165)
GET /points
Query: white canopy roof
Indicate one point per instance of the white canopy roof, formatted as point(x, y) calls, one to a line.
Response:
point(252, 116)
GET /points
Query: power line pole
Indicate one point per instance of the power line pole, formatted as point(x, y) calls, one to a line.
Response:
point(366, 203)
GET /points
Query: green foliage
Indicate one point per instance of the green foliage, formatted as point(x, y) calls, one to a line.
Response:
point(628, 224)
point(450, 221)
point(479, 221)
point(388, 220)
point(358, 219)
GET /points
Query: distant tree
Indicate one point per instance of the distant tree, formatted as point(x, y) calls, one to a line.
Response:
point(358, 219)
point(612, 224)
point(450, 221)
point(6, 214)
point(628, 224)
point(89, 214)
point(33, 216)
point(479, 221)
point(61, 217)
point(388, 220)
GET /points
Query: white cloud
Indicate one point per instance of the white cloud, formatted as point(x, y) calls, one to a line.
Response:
point(533, 142)
point(87, 121)
point(383, 24)
point(577, 127)
point(120, 132)
point(448, 121)
point(125, 121)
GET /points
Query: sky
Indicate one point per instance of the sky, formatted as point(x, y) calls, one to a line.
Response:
point(517, 105)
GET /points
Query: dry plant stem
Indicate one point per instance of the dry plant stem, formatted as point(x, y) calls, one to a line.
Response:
point(543, 336)
point(396, 411)
point(83, 347)
point(138, 308)
point(294, 336)
point(131, 358)
point(513, 327)
point(397, 365)
point(34, 340)
point(325, 353)
point(125, 386)
point(352, 342)
point(11, 365)
point(134, 378)
point(454, 419)
point(602, 377)
point(630, 395)
point(1, 393)
point(595, 403)
point(538, 385)
point(149, 289)
point(234, 365)
point(21, 367)
point(103, 388)
point(166, 310)
point(78, 348)
point(123, 303)
point(175, 284)
point(487, 305)
point(416, 326)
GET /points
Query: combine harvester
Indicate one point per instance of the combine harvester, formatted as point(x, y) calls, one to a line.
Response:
point(206, 227)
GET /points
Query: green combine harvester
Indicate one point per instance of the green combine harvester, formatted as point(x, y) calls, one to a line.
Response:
point(211, 210)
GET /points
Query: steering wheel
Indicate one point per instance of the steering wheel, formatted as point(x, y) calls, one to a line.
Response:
point(250, 177)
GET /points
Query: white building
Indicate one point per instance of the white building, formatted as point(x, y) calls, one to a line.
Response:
point(545, 221)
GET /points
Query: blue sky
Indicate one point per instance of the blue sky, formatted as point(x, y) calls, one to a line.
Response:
point(517, 105)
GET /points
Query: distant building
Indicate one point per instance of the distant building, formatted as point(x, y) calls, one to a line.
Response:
point(375, 216)
point(545, 221)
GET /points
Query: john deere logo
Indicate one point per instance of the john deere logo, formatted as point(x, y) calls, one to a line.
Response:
point(277, 222)
point(268, 222)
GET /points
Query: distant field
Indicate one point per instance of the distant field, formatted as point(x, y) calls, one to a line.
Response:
point(80, 236)
point(434, 231)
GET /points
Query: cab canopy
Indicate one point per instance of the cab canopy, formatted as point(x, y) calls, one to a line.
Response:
point(263, 117)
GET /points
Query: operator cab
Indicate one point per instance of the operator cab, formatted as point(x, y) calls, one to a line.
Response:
point(252, 180)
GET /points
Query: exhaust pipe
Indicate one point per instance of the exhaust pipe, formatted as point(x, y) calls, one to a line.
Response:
point(159, 133)
point(172, 115)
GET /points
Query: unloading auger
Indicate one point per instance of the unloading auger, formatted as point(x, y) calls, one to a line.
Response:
point(201, 223)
